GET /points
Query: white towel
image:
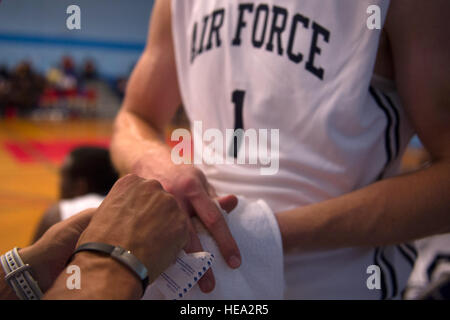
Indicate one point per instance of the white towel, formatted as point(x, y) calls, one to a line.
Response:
point(260, 275)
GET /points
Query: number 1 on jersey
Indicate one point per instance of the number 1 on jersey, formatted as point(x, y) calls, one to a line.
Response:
point(237, 97)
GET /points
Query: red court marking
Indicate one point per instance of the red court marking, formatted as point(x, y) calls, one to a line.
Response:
point(51, 151)
point(55, 151)
point(17, 151)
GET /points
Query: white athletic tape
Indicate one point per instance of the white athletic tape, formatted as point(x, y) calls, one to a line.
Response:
point(181, 276)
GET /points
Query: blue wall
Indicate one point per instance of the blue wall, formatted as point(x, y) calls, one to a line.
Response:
point(113, 32)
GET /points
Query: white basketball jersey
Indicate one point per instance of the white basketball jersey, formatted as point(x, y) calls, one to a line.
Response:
point(71, 207)
point(304, 68)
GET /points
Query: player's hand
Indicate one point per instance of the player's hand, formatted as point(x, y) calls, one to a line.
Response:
point(49, 255)
point(195, 196)
point(140, 216)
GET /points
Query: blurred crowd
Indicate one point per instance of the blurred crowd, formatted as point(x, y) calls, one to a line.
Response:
point(64, 91)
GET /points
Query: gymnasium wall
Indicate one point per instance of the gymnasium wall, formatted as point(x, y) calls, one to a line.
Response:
point(113, 33)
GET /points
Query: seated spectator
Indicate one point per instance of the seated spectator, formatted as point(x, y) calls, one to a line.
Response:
point(26, 88)
point(5, 84)
point(89, 71)
point(87, 175)
point(68, 66)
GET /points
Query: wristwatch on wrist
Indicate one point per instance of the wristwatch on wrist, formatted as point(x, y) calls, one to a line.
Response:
point(19, 277)
point(120, 254)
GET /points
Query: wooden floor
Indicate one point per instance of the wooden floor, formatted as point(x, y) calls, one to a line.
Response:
point(27, 188)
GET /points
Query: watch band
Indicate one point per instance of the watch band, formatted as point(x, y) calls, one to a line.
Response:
point(120, 254)
point(18, 276)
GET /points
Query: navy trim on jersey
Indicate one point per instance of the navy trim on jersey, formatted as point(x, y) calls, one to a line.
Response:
point(392, 274)
point(439, 258)
point(412, 249)
point(387, 139)
point(406, 255)
point(383, 280)
point(397, 124)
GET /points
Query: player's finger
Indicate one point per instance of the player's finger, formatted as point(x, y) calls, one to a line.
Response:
point(213, 220)
point(208, 187)
point(211, 191)
point(207, 282)
point(228, 203)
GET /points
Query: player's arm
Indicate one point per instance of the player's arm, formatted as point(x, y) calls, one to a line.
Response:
point(152, 97)
point(408, 206)
point(151, 100)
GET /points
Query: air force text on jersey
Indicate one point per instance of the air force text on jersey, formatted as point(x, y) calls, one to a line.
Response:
point(266, 26)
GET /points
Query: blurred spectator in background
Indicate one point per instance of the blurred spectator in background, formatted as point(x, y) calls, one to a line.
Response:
point(69, 80)
point(26, 86)
point(4, 74)
point(120, 84)
point(68, 66)
point(87, 175)
point(69, 93)
point(89, 71)
point(65, 92)
point(5, 87)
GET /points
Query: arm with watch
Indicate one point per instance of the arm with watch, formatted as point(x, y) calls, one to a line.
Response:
point(44, 260)
point(130, 239)
point(98, 271)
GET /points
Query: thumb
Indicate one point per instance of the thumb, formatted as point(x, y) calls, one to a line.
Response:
point(228, 203)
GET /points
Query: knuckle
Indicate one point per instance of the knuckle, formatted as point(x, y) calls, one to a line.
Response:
point(154, 184)
point(189, 183)
point(212, 221)
point(127, 180)
point(130, 177)
point(121, 183)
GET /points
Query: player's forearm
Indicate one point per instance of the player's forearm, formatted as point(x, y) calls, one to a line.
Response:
point(387, 212)
point(132, 139)
point(151, 99)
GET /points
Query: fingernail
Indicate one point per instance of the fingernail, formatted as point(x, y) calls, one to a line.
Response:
point(234, 262)
point(206, 285)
